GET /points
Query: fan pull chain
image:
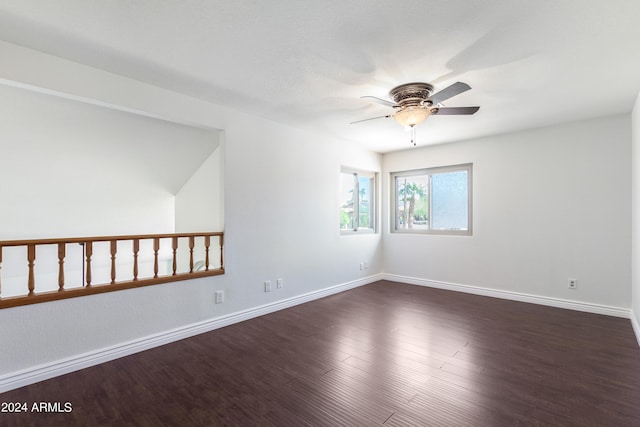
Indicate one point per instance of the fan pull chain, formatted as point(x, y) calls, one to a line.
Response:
point(413, 135)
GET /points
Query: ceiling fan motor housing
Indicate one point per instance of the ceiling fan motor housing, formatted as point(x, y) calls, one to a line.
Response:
point(411, 94)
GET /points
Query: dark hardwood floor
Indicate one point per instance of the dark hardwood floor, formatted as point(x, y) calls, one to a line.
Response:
point(384, 354)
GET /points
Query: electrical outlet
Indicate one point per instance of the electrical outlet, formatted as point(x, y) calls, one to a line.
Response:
point(219, 297)
point(279, 283)
point(362, 266)
point(267, 286)
point(573, 283)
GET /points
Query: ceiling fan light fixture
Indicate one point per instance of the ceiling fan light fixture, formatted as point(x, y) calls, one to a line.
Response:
point(412, 116)
point(415, 102)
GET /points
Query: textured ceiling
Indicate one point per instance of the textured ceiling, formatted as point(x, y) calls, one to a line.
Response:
point(306, 64)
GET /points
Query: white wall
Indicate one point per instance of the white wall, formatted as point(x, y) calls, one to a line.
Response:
point(635, 221)
point(73, 169)
point(548, 204)
point(200, 202)
point(281, 220)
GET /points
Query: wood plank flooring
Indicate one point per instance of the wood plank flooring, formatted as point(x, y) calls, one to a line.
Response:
point(386, 354)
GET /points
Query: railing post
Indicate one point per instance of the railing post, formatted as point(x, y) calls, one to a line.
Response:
point(174, 247)
point(62, 248)
point(156, 248)
point(221, 240)
point(192, 240)
point(88, 254)
point(113, 246)
point(207, 243)
point(31, 257)
point(136, 249)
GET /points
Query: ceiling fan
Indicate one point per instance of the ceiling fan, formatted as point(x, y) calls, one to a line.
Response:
point(414, 102)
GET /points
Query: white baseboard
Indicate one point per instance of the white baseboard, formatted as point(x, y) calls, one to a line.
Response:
point(46, 371)
point(635, 326)
point(516, 296)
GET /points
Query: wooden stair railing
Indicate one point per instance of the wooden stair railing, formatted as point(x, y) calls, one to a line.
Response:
point(31, 294)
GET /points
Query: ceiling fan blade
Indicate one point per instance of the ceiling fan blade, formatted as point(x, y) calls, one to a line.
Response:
point(372, 118)
point(454, 111)
point(448, 92)
point(380, 101)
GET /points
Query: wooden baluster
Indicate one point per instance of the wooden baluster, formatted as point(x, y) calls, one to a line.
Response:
point(31, 257)
point(207, 243)
point(136, 249)
point(156, 248)
point(191, 245)
point(88, 253)
point(174, 246)
point(114, 250)
point(62, 249)
point(221, 240)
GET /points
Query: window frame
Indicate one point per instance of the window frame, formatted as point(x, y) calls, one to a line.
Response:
point(393, 223)
point(373, 201)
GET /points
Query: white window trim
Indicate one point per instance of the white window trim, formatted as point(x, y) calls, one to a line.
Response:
point(373, 209)
point(430, 171)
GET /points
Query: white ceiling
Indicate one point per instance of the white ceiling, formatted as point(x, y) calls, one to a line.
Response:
point(306, 64)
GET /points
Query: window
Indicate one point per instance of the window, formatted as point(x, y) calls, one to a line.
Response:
point(357, 201)
point(432, 201)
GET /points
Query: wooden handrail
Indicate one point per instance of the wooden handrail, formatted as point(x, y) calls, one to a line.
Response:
point(32, 295)
point(106, 238)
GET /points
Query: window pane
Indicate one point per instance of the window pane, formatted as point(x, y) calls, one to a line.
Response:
point(412, 202)
point(347, 194)
point(357, 201)
point(364, 199)
point(450, 206)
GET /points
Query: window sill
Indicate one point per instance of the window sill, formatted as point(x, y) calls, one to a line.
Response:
point(362, 231)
